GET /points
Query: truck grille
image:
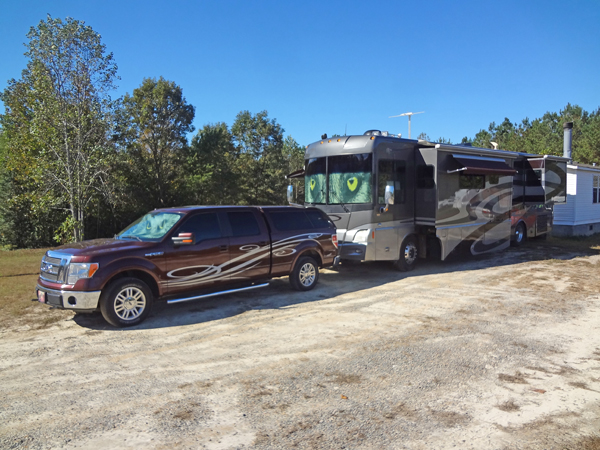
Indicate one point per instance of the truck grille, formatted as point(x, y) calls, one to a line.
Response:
point(53, 268)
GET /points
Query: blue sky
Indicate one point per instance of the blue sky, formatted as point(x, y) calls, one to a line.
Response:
point(324, 67)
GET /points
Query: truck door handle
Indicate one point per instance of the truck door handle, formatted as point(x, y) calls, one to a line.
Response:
point(223, 248)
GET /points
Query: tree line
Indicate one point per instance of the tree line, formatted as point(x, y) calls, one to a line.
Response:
point(77, 164)
point(543, 136)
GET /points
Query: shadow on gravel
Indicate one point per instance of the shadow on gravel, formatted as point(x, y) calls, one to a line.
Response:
point(332, 283)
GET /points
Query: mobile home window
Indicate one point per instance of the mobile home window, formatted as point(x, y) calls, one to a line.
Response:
point(596, 192)
point(391, 173)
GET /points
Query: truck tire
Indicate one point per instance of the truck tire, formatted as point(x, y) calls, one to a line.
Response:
point(126, 302)
point(520, 235)
point(408, 255)
point(305, 275)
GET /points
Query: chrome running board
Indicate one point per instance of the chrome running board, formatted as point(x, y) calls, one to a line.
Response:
point(214, 294)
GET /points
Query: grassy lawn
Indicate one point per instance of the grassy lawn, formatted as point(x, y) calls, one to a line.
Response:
point(19, 271)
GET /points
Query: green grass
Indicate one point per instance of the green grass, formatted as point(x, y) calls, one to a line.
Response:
point(19, 271)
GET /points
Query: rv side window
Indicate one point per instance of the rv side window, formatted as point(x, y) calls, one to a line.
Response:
point(493, 179)
point(471, 181)
point(391, 173)
point(425, 178)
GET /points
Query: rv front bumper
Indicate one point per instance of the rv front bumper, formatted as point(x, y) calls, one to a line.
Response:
point(352, 251)
point(75, 300)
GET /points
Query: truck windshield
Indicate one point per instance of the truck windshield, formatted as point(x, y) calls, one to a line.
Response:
point(350, 179)
point(151, 227)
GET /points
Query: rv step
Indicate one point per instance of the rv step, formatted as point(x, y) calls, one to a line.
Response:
point(214, 294)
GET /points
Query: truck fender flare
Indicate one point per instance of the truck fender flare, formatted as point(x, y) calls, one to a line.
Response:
point(313, 252)
point(128, 268)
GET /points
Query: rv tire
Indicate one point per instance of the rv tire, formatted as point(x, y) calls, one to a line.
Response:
point(520, 235)
point(408, 255)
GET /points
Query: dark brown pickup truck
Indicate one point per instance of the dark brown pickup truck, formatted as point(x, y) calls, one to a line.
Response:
point(180, 254)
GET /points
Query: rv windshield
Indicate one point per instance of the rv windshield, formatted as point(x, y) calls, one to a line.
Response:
point(350, 179)
point(314, 181)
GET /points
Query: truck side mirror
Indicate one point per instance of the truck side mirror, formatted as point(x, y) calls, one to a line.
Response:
point(184, 239)
point(290, 194)
point(389, 196)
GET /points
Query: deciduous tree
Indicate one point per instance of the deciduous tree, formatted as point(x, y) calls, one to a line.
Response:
point(262, 162)
point(157, 118)
point(58, 117)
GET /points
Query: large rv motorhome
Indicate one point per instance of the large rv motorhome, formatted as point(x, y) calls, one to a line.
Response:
point(400, 200)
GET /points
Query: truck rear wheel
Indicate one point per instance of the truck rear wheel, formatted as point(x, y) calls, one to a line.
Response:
point(305, 275)
point(408, 255)
point(126, 302)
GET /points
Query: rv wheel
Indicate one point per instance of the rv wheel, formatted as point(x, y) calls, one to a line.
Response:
point(408, 255)
point(520, 235)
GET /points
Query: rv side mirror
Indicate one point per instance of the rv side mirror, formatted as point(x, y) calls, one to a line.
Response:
point(290, 194)
point(184, 239)
point(389, 196)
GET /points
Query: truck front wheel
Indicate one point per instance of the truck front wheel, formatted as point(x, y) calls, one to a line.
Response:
point(126, 302)
point(305, 275)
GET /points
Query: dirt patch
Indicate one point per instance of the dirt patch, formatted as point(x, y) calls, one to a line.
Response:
point(492, 352)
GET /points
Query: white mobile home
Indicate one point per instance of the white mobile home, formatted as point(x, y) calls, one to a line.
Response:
point(580, 215)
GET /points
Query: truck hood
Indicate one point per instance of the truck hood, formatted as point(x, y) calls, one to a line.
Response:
point(96, 247)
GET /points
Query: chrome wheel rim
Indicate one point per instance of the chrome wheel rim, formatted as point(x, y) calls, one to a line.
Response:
point(130, 303)
point(410, 253)
point(308, 274)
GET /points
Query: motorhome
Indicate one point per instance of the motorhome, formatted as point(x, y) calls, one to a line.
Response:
point(395, 199)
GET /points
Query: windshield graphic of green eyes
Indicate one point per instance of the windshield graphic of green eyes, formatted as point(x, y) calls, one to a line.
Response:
point(313, 183)
point(352, 183)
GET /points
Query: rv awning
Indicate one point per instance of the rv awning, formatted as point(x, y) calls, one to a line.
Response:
point(480, 165)
point(296, 174)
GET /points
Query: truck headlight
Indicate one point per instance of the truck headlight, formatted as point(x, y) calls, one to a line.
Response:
point(81, 270)
point(361, 236)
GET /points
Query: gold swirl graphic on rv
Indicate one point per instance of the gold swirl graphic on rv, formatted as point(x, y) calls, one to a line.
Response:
point(352, 183)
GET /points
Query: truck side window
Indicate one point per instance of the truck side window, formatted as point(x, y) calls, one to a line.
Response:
point(318, 219)
point(243, 224)
point(391, 173)
point(204, 226)
point(290, 220)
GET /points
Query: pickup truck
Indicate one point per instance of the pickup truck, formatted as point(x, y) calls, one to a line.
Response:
point(188, 253)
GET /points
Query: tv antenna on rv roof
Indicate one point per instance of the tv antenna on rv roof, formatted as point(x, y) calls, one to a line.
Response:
point(409, 114)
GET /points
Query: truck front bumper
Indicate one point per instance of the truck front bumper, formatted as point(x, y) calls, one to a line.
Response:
point(75, 300)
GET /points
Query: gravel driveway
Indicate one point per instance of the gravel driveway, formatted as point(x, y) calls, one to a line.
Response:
point(480, 353)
